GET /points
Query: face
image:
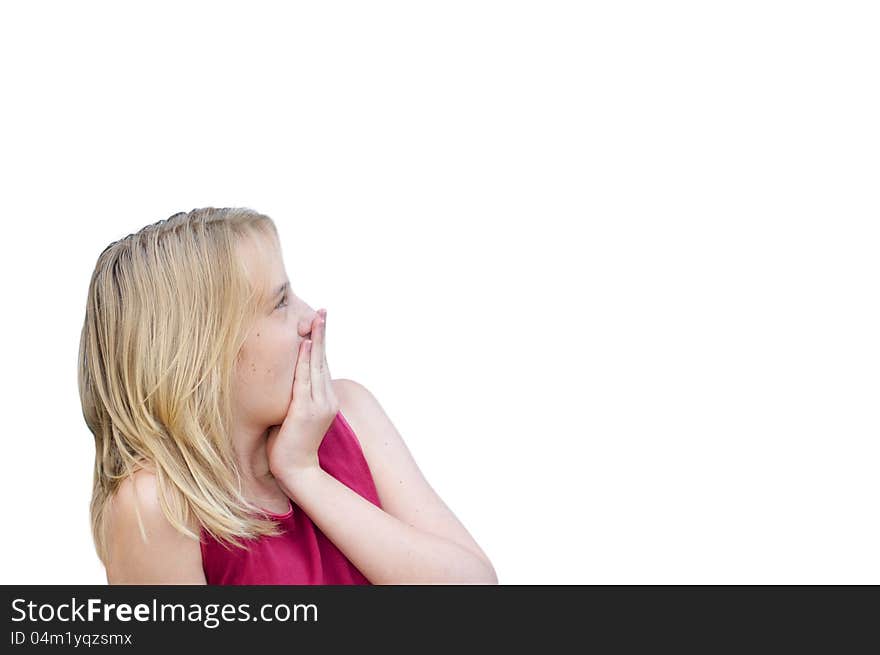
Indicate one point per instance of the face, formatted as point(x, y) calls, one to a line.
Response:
point(263, 379)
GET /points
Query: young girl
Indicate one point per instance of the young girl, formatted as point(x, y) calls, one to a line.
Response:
point(225, 453)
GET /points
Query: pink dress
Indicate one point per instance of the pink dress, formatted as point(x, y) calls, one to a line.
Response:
point(303, 555)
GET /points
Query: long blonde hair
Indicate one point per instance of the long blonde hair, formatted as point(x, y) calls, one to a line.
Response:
point(168, 309)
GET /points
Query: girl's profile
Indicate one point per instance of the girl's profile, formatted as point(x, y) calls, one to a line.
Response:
point(224, 451)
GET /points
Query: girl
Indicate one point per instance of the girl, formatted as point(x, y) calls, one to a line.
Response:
point(225, 453)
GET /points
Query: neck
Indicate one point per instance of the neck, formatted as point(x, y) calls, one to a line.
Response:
point(250, 451)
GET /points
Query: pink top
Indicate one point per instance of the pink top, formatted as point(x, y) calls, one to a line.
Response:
point(302, 555)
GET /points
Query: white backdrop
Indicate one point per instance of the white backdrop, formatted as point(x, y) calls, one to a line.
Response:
point(611, 268)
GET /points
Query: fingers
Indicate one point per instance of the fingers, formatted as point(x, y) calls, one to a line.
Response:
point(328, 387)
point(318, 360)
point(302, 384)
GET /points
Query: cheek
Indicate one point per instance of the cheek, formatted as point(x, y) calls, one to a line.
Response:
point(269, 361)
point(265, 380)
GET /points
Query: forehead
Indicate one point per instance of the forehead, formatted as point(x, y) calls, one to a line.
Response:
point(261, 257)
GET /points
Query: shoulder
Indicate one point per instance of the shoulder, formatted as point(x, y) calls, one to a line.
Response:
point(137, 494)
point(370, 423)
point(351, 393)
point(344, 386)
point(152, 550)
point(362, 411)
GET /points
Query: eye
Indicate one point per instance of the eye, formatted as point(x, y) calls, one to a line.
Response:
point(283, 302)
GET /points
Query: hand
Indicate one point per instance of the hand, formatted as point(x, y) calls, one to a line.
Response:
point(294, 444)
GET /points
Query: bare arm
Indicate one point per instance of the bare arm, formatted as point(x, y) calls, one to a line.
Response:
point(384, 548)
point(418, 540)
point(168, 557)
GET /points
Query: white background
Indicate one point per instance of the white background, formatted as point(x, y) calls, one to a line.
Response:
point(611, 268)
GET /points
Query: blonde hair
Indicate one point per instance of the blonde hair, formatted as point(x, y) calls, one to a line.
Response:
point(168, 309)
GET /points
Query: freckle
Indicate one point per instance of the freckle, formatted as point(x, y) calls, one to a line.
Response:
point(258, 334)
